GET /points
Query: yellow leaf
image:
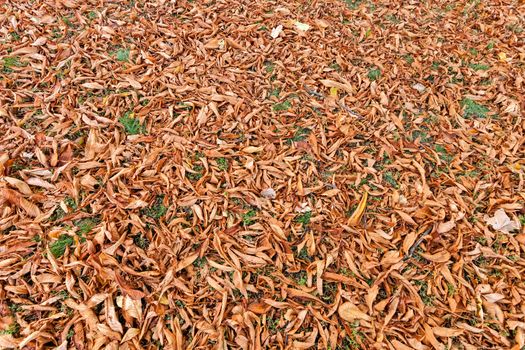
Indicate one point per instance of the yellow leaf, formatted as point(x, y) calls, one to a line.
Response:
point(163, 300)
point(502, 56)
point(334, 91)
point(301, 26)
point(359, 211)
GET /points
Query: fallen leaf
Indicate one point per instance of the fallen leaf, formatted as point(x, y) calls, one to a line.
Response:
point(349, 312)
point(501, 222)
point(355, 219)
point(276, 31)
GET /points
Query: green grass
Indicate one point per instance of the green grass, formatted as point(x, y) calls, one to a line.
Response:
point(283, 106)
point(304, 218)
point(353, 4)
point(92, 15)
point(248, 217)
point(197, 174)
point(490, 45)
point(374, 74)
point(408, 58)
point(122, 55)
point(335, 67)
point(300, 134)
point(58, 247)
point(141, 242)
point(156, 210)
point(222, 163)
point(132, 125)
point(13, 329)
point(200, 262)
point(275, 92)
point(15, 36)
point(85, 226)
point(443, 154)
point(451, 289)
point(473, 109)
point(389, 178)
point(479, 66)
point(269, 67)
point(435, 65)
point(423, 288)
point(9, 62)
point(67, 21)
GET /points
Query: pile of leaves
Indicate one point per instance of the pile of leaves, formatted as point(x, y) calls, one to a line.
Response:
point(262, 174)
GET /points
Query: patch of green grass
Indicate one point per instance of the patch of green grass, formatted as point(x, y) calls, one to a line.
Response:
point(392, 18)
point(70, 334)
point(67, 21)
point(272, 324)
point(473, 52)
point(515, 28)
point(9, 62)
point(335, 67)
point(301, 278)
point(283, 106)
point(141, 242)
point(85, 226)
point(389, 178)
point(37, 238)
point(197, 174)
point(353, 4)
point(479, 66)
point(408, 58)
point(14, 308)
point(157, 209)
point(451, 289)
point(435, 65)
point(300, 134)
point(58, 247)
point(374, 74)
point(275, 92)
point(473, 109)
point(92, 15)
point(58, 214)
point(304, 218)
point(132, 125)
point(13, 329)
point(269, 66)
point(70, 202)
point(200, 262)
point(443, 154)
point(247, 218)
point(421, 135)
point(303, 255)
point(423, 288)
point(490, 45)
point(522, 219)
point(222, 163)
point(15, 36)
point(122, 54)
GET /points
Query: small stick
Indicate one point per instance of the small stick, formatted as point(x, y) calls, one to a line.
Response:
point(417, 243)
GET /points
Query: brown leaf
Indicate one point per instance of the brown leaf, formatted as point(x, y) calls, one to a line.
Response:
point(349, 312)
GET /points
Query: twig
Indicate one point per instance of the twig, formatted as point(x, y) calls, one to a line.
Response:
point(417, 243)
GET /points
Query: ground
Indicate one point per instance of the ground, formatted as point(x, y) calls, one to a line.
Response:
point(258, 174)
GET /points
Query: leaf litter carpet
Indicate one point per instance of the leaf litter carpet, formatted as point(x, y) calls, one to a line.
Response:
point(259, 174)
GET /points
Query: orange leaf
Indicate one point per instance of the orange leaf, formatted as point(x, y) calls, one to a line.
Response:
point(355, 219)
